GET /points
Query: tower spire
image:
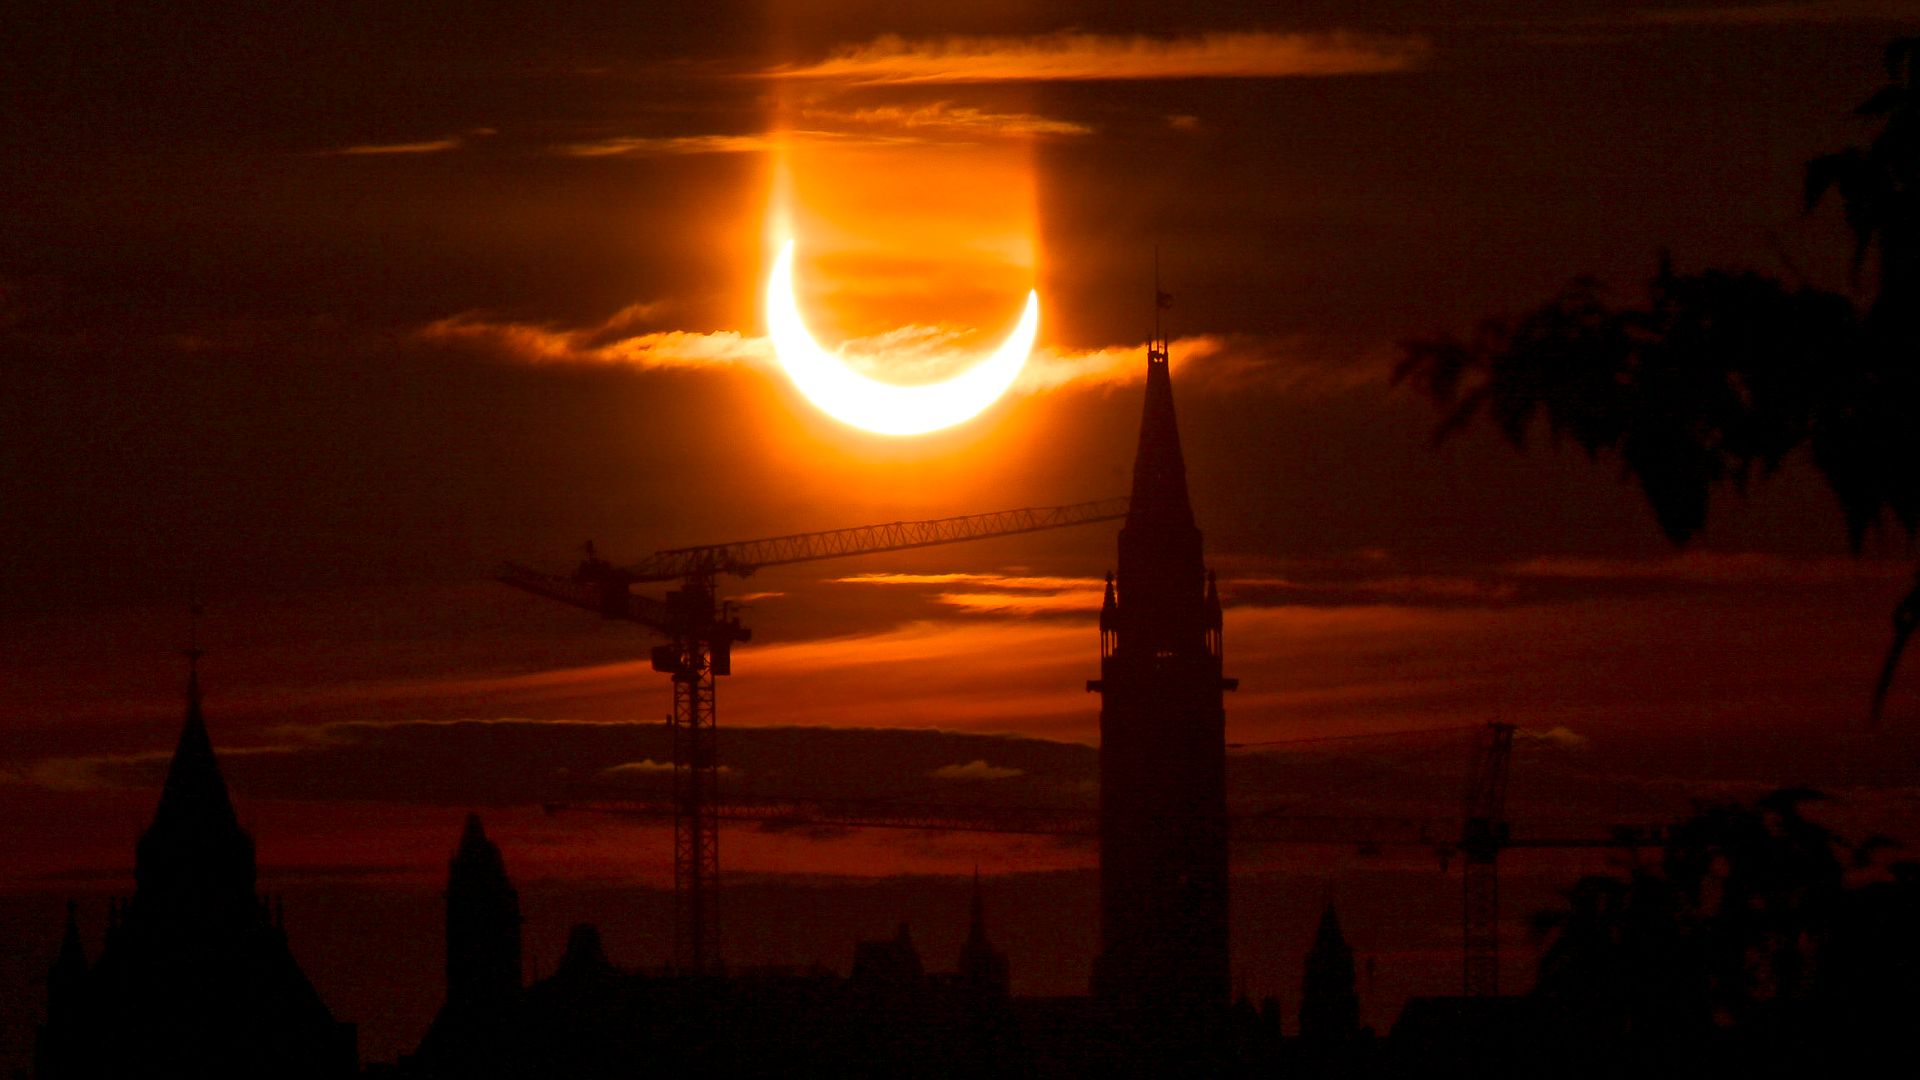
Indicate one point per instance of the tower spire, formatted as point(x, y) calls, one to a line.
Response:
point(195, 858)
point(1163, 843)
point(982, 966)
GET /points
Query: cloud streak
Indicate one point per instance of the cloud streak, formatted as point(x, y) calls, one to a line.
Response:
point(434, 146)
point(644, 146)
point(893, 60)
point(908, 354)
point(977, 769)
point(1834, 11)
point(943, 119)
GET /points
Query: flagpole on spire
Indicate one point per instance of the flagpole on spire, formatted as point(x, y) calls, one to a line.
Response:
point(1157, 347)
point(193, 652)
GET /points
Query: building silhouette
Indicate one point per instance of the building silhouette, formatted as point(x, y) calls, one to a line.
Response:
point(983, 968)
point(1163, 826)
point(888, 1016)
point(1329, 1007)
point(482, 954)
point(195, 978)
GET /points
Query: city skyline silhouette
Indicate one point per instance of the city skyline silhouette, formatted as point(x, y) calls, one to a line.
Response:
point(1543, 385)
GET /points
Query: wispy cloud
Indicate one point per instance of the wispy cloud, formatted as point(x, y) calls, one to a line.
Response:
point(646, 146)
point(646, 767)
point(1083, 57)
point(1558, 736)
point(1811, 11)
point(913, 354)
point(977, 769)
point(946, 120)
point(543, 344)
point(998, 581)
point(1083, 602)
point(433, 146)
point(1714, 568)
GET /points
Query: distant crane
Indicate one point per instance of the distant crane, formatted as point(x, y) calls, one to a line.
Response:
point(1478, 837)
point(701, 632)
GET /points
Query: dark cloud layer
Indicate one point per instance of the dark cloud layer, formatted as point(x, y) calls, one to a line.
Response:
point(321, 311)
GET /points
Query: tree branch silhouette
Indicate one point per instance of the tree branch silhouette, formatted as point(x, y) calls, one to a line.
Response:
point(1722, 375)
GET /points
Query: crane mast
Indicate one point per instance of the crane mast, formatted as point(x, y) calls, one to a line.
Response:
point(1478, 837)
point(701, 632)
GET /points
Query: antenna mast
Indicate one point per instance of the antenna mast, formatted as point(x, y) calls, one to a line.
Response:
point(1157, 345)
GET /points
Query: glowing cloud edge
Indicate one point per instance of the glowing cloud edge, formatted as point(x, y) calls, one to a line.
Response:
point(880, 407)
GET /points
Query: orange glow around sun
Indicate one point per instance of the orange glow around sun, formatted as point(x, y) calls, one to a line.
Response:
point(903, 259)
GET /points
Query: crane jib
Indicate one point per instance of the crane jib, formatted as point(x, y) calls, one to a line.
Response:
point(742, 557)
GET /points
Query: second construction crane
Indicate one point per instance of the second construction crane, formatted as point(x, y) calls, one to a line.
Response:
point(701, 631)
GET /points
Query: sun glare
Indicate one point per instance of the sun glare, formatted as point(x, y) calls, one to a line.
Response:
point(882, 407)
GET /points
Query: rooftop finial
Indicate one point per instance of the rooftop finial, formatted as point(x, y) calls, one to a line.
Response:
point(193, 652)
point(1157, 348)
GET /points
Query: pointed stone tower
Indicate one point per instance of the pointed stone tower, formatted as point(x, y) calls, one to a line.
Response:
point(982, 967)
point(473, 1033)
point(196, 978)
point(1163, 832)
point(1329, 1007)
point(69, 968)
point(194, 866)
point(66, 985)
point(483, 926)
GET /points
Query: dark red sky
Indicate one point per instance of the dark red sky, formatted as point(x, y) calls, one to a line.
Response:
point(324, 312)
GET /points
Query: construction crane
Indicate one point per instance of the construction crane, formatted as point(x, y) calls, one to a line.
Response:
point(701, 631)
point(1478, 837)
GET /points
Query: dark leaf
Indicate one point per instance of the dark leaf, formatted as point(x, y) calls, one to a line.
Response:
point(1888, 99)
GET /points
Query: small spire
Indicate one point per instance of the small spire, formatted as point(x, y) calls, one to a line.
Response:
point(477, 857)
point(1159, 493)
point(1328, 935)
point(193, 652)
point(72, 953)
point(977, 915)
point(70, 966)
point(981, 964)
point(195, 842)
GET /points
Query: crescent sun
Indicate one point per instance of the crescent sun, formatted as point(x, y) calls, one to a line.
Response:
point(886, 408)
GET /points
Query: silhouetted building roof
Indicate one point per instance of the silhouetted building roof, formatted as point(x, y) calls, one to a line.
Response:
point(982, 967)
point(195, 978)
point(482, 961)
point(890, 965)
point(1159, 497)
point(1163, 834)
point(194, 862)
point(1329, 1008)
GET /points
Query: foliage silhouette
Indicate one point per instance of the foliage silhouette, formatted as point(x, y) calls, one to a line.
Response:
point(1721, 375)
point(1745, 934)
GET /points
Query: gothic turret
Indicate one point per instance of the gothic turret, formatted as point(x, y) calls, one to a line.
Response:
point(982, 967)
point(1163, 840)
point(483, 925)
point(196, 978)
point(66, 1003)
point(69, 969)
point(1329, 1008)
point(194, 866)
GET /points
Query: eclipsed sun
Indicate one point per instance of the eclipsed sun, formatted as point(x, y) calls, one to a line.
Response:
point(882, 407)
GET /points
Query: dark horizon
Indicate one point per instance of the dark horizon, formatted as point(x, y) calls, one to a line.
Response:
point(311, 320)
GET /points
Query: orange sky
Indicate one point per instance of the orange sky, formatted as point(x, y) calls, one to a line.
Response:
point(321, 319)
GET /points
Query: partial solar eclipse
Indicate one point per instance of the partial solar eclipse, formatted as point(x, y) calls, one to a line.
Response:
point(882, 407)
